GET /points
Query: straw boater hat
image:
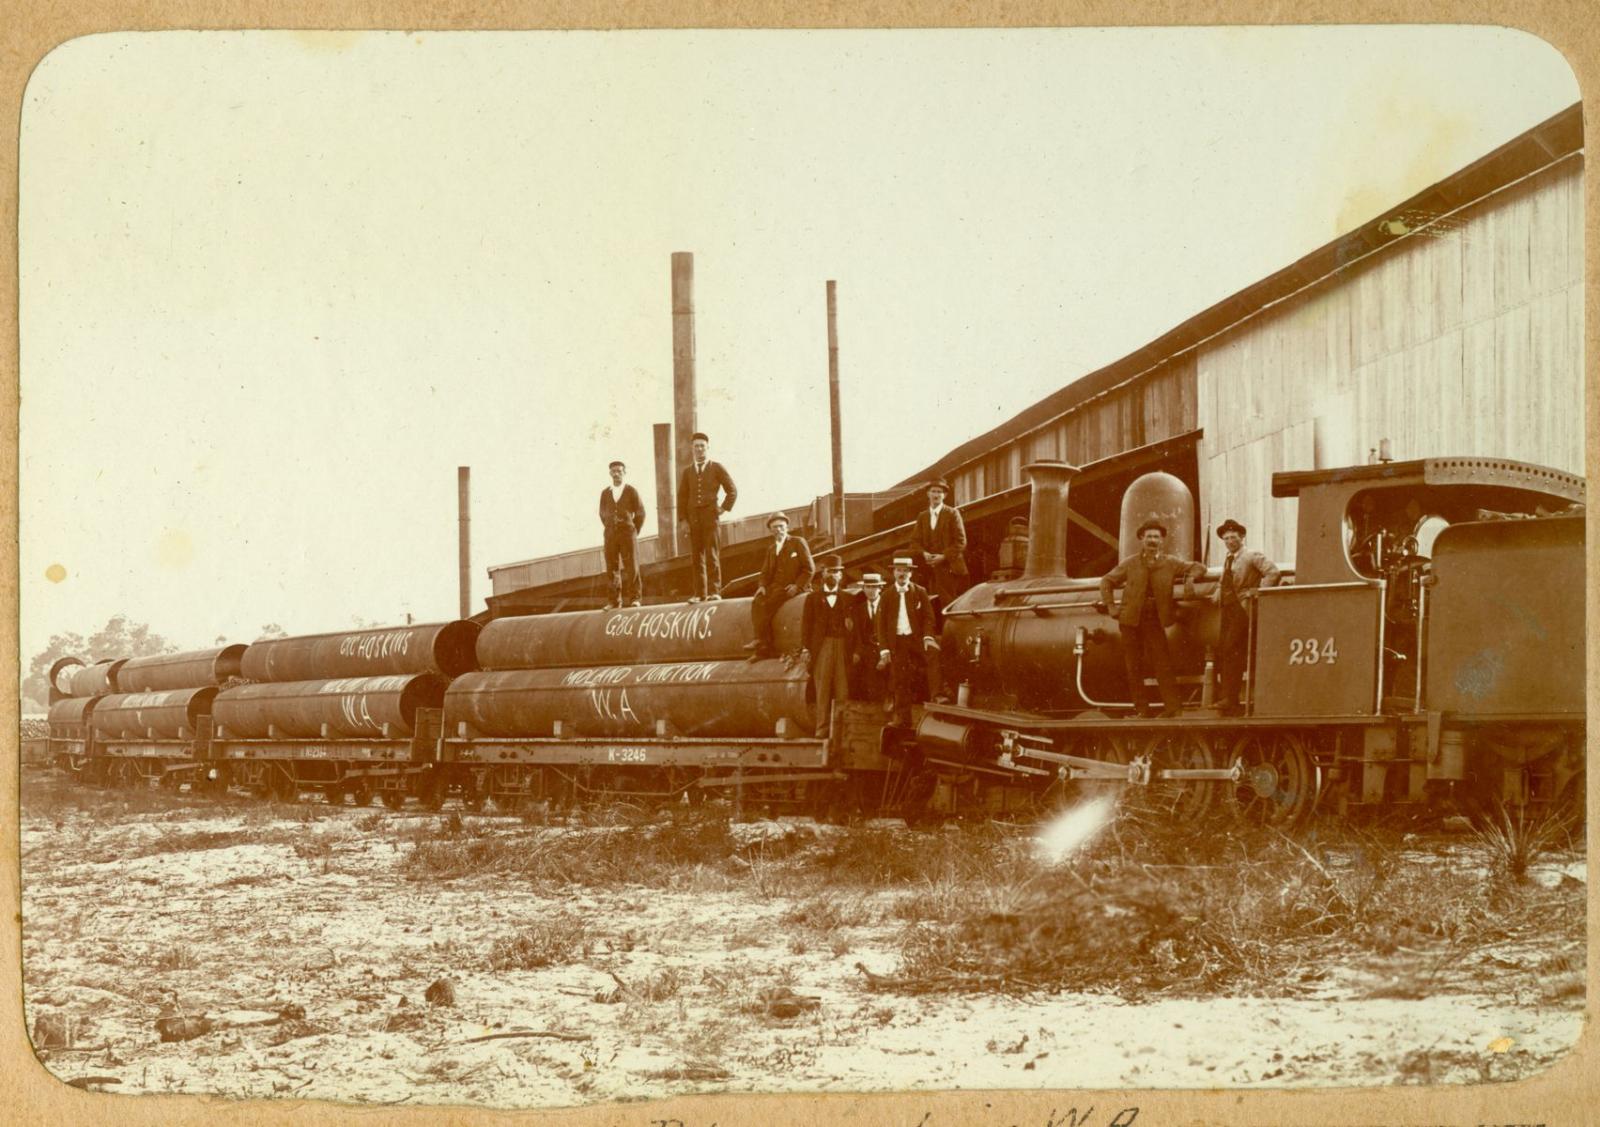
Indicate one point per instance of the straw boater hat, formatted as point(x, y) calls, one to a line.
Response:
point(1149, 524)
point(872, 579)
point(903, 561)
point(775, 518)
point(1228, 526)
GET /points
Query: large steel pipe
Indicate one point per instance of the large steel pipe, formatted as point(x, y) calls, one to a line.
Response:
point(60, 675)
point(180, 671)
point(708, 699)
point(632, 636)
point(344, 706)
point(72, 712)
point(444, 648)
point(94, 680)
point(165, 715)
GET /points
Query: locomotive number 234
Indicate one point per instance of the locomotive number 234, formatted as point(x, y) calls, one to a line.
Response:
point(1309, 651)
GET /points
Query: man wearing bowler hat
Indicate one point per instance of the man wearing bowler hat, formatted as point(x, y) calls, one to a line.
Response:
point(700, 509)
point(1244, 572)
point(1146, 612)
point(939, 545)
point(908, 641)
point(828, 632)
point(786, 570)
point(622, 516)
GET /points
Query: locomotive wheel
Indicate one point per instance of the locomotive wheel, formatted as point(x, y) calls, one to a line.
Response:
point(1181, 801)
point(1279, 786)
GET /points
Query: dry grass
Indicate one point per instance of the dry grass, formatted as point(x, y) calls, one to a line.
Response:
point(552, 941)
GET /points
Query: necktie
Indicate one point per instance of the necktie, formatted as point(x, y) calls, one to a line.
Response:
point(903, 624)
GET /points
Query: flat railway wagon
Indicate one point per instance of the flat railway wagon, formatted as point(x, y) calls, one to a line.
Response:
point(1426, 651)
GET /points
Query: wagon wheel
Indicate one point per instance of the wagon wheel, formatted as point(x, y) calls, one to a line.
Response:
point(472, 795)
point(433, 790)
point(1280, 780)
point(281, 785)
point(358, 790)
point(394, 799)
point(914, 805)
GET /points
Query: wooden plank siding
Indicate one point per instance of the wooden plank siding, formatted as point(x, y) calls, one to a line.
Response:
point(1464, 338)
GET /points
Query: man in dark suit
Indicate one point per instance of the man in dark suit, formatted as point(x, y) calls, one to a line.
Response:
point(908, 644)
point(867, 680)
point(829, 631)
point(939, 545)
point(1147, 610)
point(700, 509)
point(1244, 572)
point(622, 516)
point(786, 570)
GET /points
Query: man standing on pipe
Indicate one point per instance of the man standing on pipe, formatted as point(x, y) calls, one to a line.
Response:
point(699, 508)
point(622, 516)
point(786, 570)
point(1244, 572)
point(1147, 610)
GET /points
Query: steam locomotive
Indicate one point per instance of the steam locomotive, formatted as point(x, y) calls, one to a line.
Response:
point(1426, 650)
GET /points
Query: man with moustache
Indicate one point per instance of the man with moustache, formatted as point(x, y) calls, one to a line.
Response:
point(1244, 572)
point(786, 570)
point(908, 644)
point(699, 508)
point(939, 545)
point(868, 681)
point(828, 632)
point(622, 516)
point(1146, 612)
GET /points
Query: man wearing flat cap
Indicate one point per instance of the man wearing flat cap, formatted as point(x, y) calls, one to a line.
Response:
point(622, 516)
point(908, 643)
point(700, 508)
point(1244, 572)
point(828, 632)
point(786, 570)
point(1146, 612)
point(939, 546)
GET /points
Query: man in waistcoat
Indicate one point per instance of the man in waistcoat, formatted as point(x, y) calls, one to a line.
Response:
point(1244, 572)
point(786, 570)
point(622, 516)
point(828, 632)
point(1146, 612)
point(908, 644)
point(700, 508)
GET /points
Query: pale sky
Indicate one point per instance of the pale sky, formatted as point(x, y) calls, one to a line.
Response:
point(276, 287)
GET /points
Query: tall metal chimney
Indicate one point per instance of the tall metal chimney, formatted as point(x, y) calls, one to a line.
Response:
point(464, 532)
point(683, 393)
point(666, 516)
point(833, 413)
point(1047, 519)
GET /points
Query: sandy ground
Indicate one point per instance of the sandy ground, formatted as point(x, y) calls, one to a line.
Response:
point(245, 914)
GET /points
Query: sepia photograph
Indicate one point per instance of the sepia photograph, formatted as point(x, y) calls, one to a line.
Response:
point(563, 568)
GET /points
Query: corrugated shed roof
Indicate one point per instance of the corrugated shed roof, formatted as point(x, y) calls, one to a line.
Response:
point(1552, 140)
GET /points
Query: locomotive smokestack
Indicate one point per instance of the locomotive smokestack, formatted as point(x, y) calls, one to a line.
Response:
point(684, 414)
point(1047, 519)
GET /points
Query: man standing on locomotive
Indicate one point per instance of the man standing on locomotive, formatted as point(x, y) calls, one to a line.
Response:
point(939, 544)
point(907, 640)
point(828, 633)
point(1146, 612)
point(699, 508)
point(622, 516)
point(1244, 572)
point(786, 570)
point(868, 682)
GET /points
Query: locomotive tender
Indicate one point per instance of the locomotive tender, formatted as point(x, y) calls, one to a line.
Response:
point(1426, 649)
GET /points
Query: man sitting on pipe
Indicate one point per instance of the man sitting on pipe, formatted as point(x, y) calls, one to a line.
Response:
point(1146, 612)
point(786, 570)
